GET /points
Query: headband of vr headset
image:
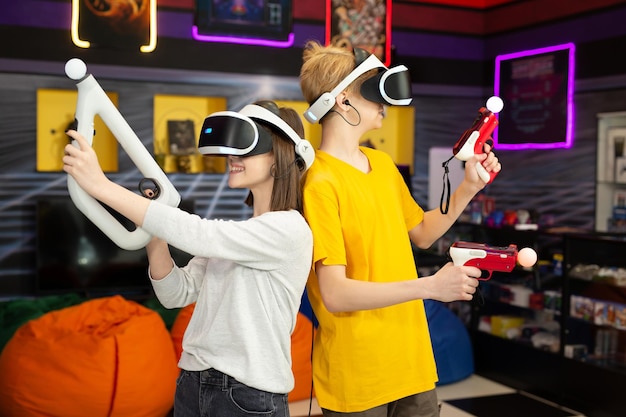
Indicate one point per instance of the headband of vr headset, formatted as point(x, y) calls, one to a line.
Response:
point(391, 86)
point(241, 133)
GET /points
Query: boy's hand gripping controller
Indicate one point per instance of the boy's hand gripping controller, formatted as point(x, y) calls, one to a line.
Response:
point(93, 100)
point(491, 258)
point(473, 139)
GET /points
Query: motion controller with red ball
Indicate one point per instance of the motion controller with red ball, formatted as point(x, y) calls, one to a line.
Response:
point(473, 140)
point(491, 258)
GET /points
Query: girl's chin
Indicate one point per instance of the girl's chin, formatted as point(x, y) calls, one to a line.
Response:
point(233, 182)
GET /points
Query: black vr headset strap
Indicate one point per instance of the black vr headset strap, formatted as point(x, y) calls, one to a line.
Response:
point(270, 117)
point(360, 55)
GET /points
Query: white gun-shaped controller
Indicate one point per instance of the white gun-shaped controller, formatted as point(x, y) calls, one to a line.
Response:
point(93, 100)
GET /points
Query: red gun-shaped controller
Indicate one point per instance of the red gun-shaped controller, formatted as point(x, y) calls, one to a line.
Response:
point(473, 140)
point(486, 258)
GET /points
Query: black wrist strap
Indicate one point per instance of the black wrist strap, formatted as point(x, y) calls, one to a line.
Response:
point(445, 193)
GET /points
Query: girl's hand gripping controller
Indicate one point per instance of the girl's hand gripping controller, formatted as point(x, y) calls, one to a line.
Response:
point(473, 139)
point(93, 100)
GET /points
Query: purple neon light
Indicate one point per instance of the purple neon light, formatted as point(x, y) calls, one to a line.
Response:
point(242, 40)
point(569, 134)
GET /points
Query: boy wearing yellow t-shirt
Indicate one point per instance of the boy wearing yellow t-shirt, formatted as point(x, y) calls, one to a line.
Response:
point(372, 355)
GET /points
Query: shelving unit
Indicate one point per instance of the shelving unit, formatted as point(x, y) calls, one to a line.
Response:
point(596, 271)
point(611, 171)
point(595, 319)
point(555, 355)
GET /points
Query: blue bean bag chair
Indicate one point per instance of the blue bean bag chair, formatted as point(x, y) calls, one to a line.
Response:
point(451, 343)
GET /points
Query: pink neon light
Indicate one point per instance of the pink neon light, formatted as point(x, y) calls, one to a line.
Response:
point(243, 40)
point(569, 135)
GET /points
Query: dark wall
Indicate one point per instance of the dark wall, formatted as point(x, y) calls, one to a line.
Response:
point(446, 52)
point(451, 74)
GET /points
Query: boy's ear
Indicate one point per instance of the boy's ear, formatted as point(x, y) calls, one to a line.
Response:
point(342, 101)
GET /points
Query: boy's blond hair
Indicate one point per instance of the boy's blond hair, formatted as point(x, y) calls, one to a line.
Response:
point(324, 67)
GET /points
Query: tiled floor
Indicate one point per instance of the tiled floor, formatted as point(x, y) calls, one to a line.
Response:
point(480, 397)
point(473, 397)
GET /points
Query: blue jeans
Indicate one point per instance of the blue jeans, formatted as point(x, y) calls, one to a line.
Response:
point(212, 393)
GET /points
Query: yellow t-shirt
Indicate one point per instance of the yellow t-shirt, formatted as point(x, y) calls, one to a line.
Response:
point(366, 358)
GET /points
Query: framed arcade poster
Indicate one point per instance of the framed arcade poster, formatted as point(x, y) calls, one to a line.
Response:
point(365, 24)
point(121, 24)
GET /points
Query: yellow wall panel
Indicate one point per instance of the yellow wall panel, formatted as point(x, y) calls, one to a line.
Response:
point(312, 132)
point(396, 136)
point(55, 112)
point(174, 109)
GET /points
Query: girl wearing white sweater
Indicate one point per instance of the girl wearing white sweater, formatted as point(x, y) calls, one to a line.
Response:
point(246, 277)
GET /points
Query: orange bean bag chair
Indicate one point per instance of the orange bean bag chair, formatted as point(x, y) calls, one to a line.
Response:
point(106, 357)
point(179, 327)
point(300, 350)
point(301, 342)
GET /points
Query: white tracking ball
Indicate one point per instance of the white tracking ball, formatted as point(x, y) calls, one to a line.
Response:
point(75, 69)
point(495, 104)
point(527, 257)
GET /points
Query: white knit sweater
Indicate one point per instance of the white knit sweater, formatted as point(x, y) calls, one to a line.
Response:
point(247, 279)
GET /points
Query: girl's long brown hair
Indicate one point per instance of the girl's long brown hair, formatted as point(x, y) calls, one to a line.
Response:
point(288, 167)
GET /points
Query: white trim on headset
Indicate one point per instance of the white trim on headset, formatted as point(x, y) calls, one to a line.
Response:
point(393, 101)
point(303, 148)
point(326, 101)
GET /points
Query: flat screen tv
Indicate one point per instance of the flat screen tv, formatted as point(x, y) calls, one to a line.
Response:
point(257, 22)
point(73, 255)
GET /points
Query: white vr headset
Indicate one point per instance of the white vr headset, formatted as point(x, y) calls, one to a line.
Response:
point(391, 86)
point(240, 133)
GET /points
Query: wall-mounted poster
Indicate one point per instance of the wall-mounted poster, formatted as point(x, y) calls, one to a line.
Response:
point(537, 89)
point(365, 24)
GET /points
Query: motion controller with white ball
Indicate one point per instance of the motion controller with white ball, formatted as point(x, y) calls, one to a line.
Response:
point(473, 140)
point(491, 258)
point(93, 100)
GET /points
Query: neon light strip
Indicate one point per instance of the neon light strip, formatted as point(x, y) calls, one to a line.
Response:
point(74, 30)
point(242, 40)
point(569, 134)
point(388, 35)
point(153, 29)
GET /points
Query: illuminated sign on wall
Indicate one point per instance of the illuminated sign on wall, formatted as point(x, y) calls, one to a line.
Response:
point(537, 87)
point(121, 24)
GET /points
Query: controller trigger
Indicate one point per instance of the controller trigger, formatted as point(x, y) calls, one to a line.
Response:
point(149, 188)
point(72, 125)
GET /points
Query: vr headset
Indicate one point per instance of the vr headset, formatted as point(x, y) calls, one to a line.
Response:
point(241, 133)
point(391, 86)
